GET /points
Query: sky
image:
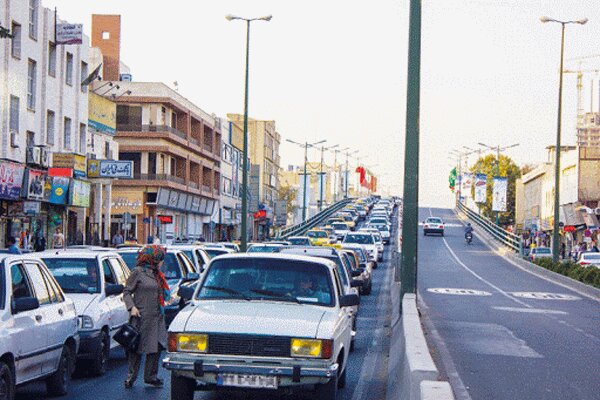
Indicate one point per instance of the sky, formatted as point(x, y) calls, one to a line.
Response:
point(336, 70)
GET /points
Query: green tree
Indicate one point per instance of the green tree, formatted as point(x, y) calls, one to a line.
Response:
point(288, 194)
point(488, 165)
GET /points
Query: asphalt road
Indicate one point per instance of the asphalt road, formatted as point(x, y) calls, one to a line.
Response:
point(501, 332)
point(367, 371)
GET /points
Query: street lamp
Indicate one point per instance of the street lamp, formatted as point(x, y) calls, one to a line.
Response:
point(306, 145)
point(244, 237)
point(346, 173)
point(335, 174)
point(555, 238)
point(323, 148)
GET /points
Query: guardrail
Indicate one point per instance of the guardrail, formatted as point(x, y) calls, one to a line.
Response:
point(509, 239)
point(315, 220)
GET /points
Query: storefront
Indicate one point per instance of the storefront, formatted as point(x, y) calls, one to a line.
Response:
point(11, 207)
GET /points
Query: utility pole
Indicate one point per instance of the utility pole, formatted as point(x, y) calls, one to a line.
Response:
point(347, 173)
point(321, 182)
point(335, 173)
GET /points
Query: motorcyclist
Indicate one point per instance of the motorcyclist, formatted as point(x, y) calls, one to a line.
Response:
point(468, 230)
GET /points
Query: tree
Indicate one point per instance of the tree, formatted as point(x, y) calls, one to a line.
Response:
point(288, 194)
point(527, 168)
point(488, 165)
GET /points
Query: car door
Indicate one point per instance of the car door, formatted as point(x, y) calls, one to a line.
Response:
point(30, 354)
point(110, 303)
point(119, 314)
point(203, 260)
point(345, 325)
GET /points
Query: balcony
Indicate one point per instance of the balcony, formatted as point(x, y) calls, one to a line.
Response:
point(151, 128)
point(194, 185)
point(159, 177)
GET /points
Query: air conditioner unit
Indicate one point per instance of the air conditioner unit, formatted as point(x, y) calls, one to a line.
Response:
point(14, 140)
point(33, 155)
point(44, 157)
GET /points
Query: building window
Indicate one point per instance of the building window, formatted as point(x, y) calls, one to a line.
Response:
point(31, 84)
point(107, 153)
point(33, 18)
point(51, 59)
point(16, 40)
point(105, 35)
point(14, 114)
point(69, 72)
point(30, 139)
point(67, 133)
point(84, 75)
point(82, 138)
point(50, 118)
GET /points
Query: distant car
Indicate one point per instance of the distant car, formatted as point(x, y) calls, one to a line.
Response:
point(340, 229)
point(318, 237)
point(539, 253)
point(232, 246)
point(197, 255)
point(589, 259)
point(299, 241)
point(367, 240)
point(433, 225)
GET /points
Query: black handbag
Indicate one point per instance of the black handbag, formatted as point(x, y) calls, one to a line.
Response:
point(128, 336)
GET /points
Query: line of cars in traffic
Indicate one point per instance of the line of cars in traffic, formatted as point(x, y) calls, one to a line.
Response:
point(59, 309)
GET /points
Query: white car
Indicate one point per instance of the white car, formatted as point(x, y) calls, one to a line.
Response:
point(340, 230)
point(366, 239)
point(196, 254)
point(38, 327)
point(589, 259)
point(94, 280)
point(378, 240)
point(384, 231)
point(263, 321)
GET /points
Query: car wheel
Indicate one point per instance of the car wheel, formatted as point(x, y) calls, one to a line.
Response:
point(442, 233)
point(58, 383)
point(182, 388)
point(367, 290)
point(342, 379)
point(7, 383)
point(100, 362)
point(325, 391)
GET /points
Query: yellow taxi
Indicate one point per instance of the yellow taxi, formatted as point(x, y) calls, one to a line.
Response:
point(318, 237)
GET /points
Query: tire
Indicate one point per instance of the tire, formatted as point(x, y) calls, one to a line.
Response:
point(352, 346)
point(7, 382)
point(342, 379)
point(327, 391)
point(58, 383)
point(100, 362)
point(367, 291)
point(182, 388)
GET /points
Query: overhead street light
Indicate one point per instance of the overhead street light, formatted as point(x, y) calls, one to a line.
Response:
point(556, 226)
point(321, 183)
point(244, 236)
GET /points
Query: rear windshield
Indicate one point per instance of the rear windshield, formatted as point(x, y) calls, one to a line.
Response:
point(264, 249)
point(75, 275)
point(434, 220)
point(299, 241)
point(360, 239)
point(212, 253)
point(316, 234)
point(341, 227)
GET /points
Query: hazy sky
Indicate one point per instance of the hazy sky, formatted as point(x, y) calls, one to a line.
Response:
point(336, 69)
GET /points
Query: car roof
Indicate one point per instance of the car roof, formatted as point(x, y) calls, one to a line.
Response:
point(278, 256)
point(298, 237)
point(317, 251)
point(134, 250)
point(80, 253)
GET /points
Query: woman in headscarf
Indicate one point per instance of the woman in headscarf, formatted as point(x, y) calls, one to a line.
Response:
point(145, 295)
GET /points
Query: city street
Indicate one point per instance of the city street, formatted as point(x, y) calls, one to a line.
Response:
point(367, 370)
point(501, 332)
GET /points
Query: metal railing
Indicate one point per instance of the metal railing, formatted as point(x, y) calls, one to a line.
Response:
point(150, 128)
point(507, 238)
point(158, 177)
point(315, 220)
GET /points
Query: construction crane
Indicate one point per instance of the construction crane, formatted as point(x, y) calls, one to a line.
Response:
point(580, 73)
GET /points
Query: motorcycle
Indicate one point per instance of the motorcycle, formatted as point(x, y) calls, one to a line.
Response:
point(469, 237)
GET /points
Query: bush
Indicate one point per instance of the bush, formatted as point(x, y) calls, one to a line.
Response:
point(589, 275)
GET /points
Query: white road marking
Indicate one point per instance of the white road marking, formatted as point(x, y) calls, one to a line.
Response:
point(457, 291)
point(545, 296)
point(530, 310)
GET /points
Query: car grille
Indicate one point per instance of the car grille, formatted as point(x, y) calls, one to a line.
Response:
point(248, 345)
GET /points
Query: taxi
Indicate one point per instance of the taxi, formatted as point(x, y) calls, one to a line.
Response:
point(318, 237)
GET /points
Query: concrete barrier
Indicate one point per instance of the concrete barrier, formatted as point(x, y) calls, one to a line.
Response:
point(434, 390)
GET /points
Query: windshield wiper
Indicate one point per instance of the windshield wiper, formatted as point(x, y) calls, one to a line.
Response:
point(276, 294)
point(227, 290)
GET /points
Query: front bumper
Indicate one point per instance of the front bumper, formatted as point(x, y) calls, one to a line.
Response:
point(89, 343)
point(290, 372)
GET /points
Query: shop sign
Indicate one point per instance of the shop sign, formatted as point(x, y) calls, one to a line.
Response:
point(260, 214)
point(64, 172)
point(32, 207)
point(11, 180)
point(165, 219)
point(60, 187)
point(38, 185)
point(570, 228)
point(80, 193)
point(76, 162)
point(110, 169)
point(69, 33)
point(127, 201)
point(102, 114)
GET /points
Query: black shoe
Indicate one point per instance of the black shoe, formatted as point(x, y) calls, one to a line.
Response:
point(128, 384)
point(156, 383)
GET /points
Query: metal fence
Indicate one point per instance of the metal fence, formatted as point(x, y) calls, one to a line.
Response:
point(507, 238)
point(315, 220)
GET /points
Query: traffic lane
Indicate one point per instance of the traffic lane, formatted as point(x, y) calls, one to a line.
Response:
point(484, 341)
point(372, 345)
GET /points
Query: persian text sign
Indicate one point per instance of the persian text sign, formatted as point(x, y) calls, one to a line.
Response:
point(69, 33)
point(110, 169)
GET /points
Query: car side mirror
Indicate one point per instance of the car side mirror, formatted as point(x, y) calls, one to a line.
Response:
point(21, 304)
point(356, 283)
point(186, 292)
point(113, 289)
point(349, 300)
point(193, 276)
point(355, 273)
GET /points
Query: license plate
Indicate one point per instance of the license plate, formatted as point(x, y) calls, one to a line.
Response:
point(251, 381)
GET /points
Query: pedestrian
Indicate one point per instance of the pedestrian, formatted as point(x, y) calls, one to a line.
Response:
point(145, 295)
point(40, 241)
point(563, 249)
point(58, 239)
point(117, 239)
point(12, 246)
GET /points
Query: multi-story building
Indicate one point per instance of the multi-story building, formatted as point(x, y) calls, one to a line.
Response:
point(263, 150)
point(44, 123)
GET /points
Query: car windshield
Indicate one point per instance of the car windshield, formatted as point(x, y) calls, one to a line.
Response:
point(264, 249)
point(434, 221)
point(360, 239)
point(129, 258)
point(299, 241)
point(317, 234)
point(170, 267)
point(213, 252)
point(75, 275)
point(268, 280)
point(340, 227)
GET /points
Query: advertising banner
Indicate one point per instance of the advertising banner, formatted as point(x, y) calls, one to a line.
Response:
point(110, 169)
point(60, 187)
point(130, 201)
point(499, 194)
point(480, 188)
point(11, 180)
point(102, 114)
point(80, 193)
point(76, 162)
point(467, 182)
point(69, 33)
point(38, 185)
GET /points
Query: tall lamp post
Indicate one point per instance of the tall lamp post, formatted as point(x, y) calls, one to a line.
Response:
point(555, 232)
point(323, 148)
point(244, 238)
point(498, 149)
point(306, 145)
point(335, 173)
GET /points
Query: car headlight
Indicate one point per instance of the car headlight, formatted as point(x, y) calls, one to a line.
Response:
point(190, 342)
point(311, 348)
point(85, 322)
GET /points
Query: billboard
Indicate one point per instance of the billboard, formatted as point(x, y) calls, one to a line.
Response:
point(102, 114)
point(11, 180)
point(38, 185)
point(467, 182)
point(499, 194)
point(480, 188)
